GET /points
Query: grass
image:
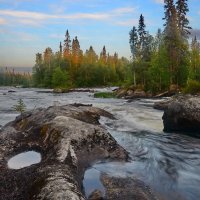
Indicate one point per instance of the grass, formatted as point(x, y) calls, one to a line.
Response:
point(105, 95)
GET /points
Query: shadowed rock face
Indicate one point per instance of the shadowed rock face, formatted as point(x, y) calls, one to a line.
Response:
point(183, 115)
point(69, 139)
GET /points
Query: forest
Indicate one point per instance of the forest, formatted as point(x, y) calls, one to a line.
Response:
point(170, 58)
point(10, 77)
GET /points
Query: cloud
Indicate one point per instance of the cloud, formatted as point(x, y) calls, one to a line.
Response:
point(34, 18)
point(56, 36)
point(195, 32)
point(26, 36)
point(124, 10)
point(2, 21)
point(129, 23)
point(29, 22)
point(159, 1)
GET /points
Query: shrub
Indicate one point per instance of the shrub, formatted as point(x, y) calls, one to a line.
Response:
point(193, 87)
point(20, 106)
point(105, 95)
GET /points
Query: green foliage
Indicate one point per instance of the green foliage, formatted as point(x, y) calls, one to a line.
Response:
point(193, 87)
point(20, 106)
point(60, 78)
point(71, 67)
point(157, 62)
point(105, 95)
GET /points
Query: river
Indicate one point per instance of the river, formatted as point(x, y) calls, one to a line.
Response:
point(168, 163)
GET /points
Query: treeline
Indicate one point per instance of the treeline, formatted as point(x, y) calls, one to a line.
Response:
point(159, 63)
point(70, 67)
point(12, 78)
point(166, 60)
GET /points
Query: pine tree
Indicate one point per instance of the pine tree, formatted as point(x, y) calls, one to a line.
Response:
point(48, 55)
point(67, 45)
point(141, 34)
point(103, 55)
point(133, 41)
point(76, 51)
point(20, 106)
point(194, 72)
point(172, 39)
point(38, 59)
point(168, 6)
point(183, 22)
point(91, 56)
point(60, 48)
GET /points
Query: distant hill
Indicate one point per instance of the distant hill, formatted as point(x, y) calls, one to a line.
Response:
point(18, 69)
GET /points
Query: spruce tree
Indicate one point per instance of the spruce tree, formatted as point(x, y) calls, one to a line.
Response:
point(172, 39)
point(91, 56)
point(133, 41)
point(194, 72)
point(141, 33)
point(67, 45)
point(183, 22)
point(103, 55)
point(48, 56)
point(168, 5)
point(184, 32)
point(75, 50)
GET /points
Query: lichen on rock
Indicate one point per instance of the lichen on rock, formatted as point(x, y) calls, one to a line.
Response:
point(69, 139)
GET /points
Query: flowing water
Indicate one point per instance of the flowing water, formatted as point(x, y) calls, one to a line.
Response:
point(168, 163)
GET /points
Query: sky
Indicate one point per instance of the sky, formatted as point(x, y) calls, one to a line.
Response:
point(29, 26)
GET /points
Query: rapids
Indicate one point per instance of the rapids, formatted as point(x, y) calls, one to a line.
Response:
point(168, 163)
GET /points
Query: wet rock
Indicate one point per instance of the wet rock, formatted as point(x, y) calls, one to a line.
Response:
point(137, 94)
point(183, 115)
point(11, 91)
point(96, 195)
point(80, 104)
point(162, 105)
point(130, 92)
point(59, 90)
point(121, 92)
point(69, 139)
point(126, 188)
point(81, 90)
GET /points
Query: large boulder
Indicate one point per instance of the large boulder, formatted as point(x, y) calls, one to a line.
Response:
point(183, 115)
point(69, 139)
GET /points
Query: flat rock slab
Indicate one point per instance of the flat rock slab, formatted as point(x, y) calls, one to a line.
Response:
point(69, 139)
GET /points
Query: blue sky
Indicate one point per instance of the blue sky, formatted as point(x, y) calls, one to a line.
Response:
point(29, 26)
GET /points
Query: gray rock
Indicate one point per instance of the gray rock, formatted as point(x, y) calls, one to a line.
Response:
point(162, 105)
point(126, 188)
point(96, 195)
point(183, 115)
point(69, 139)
